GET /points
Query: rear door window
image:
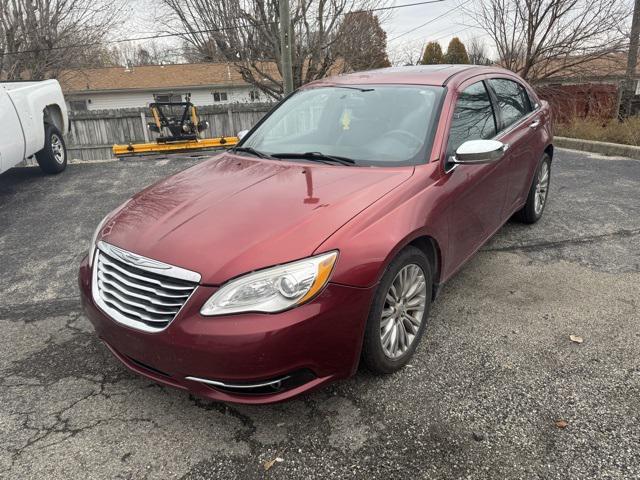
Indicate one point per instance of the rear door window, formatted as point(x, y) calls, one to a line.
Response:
point(473, 117)
point(513, 100)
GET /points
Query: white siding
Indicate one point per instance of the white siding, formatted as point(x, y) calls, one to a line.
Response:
point(105, 101)
point(199, 97)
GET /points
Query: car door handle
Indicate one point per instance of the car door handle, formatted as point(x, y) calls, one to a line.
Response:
point(534, 124)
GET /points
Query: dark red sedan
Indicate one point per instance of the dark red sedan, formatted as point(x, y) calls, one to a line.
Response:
point(322, 238)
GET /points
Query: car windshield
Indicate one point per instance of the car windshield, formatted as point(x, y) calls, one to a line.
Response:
point(372, 125)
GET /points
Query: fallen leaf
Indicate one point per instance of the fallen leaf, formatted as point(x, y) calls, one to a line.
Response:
point(576, 339)
point(268, 464)
point(561, 423)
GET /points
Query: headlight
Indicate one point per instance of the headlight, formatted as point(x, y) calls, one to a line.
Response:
point(92, 246)
point(273, 289)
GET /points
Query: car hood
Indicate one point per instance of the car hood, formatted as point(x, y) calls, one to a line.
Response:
point(234, 214)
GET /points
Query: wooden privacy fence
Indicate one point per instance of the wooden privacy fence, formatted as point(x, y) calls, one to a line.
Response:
point(92, 133)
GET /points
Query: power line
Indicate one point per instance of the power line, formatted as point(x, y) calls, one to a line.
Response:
point(393, 7)
point(442, 30)
point(208, 30)
point(454, 33)
point(134, 39)
point(429, 21)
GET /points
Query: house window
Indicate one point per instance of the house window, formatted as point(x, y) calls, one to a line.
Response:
point(79, 105)
point(254, 95)
point(167, 97)
point(219, 96)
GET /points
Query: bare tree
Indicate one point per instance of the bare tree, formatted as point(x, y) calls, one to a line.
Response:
point(149, 53)
point(247, 33)
point(477, 51)
point(205, 52)
point(40, 38)
point(409, 52)
point(540, 38)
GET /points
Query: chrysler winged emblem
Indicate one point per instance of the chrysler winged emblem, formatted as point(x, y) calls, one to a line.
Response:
point(136, 260)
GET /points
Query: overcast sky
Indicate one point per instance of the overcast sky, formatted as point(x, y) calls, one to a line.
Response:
point(454, 21)
point(398, 24)
point(408, 28)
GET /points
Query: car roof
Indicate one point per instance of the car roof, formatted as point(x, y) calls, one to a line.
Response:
point(436, 75)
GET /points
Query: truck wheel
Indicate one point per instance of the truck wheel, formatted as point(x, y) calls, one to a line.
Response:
point(53, 157)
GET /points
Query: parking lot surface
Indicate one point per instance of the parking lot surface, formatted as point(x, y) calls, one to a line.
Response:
point(492, 382)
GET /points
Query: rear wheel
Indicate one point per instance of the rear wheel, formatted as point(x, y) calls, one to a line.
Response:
point(399, 313)
point(53, 157)
point(537, 198)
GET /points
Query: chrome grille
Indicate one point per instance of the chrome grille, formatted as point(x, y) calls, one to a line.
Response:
point(139, 292)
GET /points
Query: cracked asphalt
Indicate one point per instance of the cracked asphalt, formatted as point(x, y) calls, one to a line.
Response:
point(494, 373)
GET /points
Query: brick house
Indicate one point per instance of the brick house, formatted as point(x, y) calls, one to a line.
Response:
point(591, 89)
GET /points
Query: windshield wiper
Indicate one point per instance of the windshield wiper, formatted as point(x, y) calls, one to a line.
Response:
point(317, 156)
point(252, 151)
point(351, 87)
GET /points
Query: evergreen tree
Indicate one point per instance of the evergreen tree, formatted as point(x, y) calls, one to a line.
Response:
point(361, 42)
point(456, 52)
point(432, 54)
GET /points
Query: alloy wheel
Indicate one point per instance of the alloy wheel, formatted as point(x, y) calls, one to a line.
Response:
point(403, 311)
point(542, 188)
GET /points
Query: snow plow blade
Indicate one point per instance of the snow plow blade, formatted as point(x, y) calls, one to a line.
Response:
point(180, 146)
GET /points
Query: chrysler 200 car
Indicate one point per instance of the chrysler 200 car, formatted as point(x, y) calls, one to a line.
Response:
point(322, 238)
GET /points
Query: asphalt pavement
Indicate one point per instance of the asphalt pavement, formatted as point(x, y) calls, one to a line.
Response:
point(497, 389)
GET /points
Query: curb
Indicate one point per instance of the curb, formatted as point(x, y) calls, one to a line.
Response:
point(604, 148)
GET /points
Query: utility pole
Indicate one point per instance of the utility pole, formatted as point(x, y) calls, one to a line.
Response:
point(628, 88)
point(285, 46)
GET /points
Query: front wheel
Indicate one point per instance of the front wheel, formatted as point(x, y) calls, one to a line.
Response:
point(53, 157)
point(399, 313)
point(537, 197)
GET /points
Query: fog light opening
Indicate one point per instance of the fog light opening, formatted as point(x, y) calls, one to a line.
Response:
point(276, 386)
point(266, 387)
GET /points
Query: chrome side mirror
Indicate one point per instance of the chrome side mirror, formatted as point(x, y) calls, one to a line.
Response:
point(479, 151)
point(242, 133)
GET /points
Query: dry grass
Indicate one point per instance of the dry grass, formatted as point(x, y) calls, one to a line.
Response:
point(627, 132)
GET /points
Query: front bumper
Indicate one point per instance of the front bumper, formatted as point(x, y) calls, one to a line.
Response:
point(307, 346)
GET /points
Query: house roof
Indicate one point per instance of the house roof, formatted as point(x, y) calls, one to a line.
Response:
point(158, 77)
point(609, 67)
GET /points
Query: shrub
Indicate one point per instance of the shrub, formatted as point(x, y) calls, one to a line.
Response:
point(602, 130)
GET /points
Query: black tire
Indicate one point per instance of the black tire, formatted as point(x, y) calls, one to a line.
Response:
point(528, 213)
point(373, 354)
point(53, 157)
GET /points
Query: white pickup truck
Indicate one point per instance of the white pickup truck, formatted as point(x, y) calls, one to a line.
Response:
point(33, 120)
